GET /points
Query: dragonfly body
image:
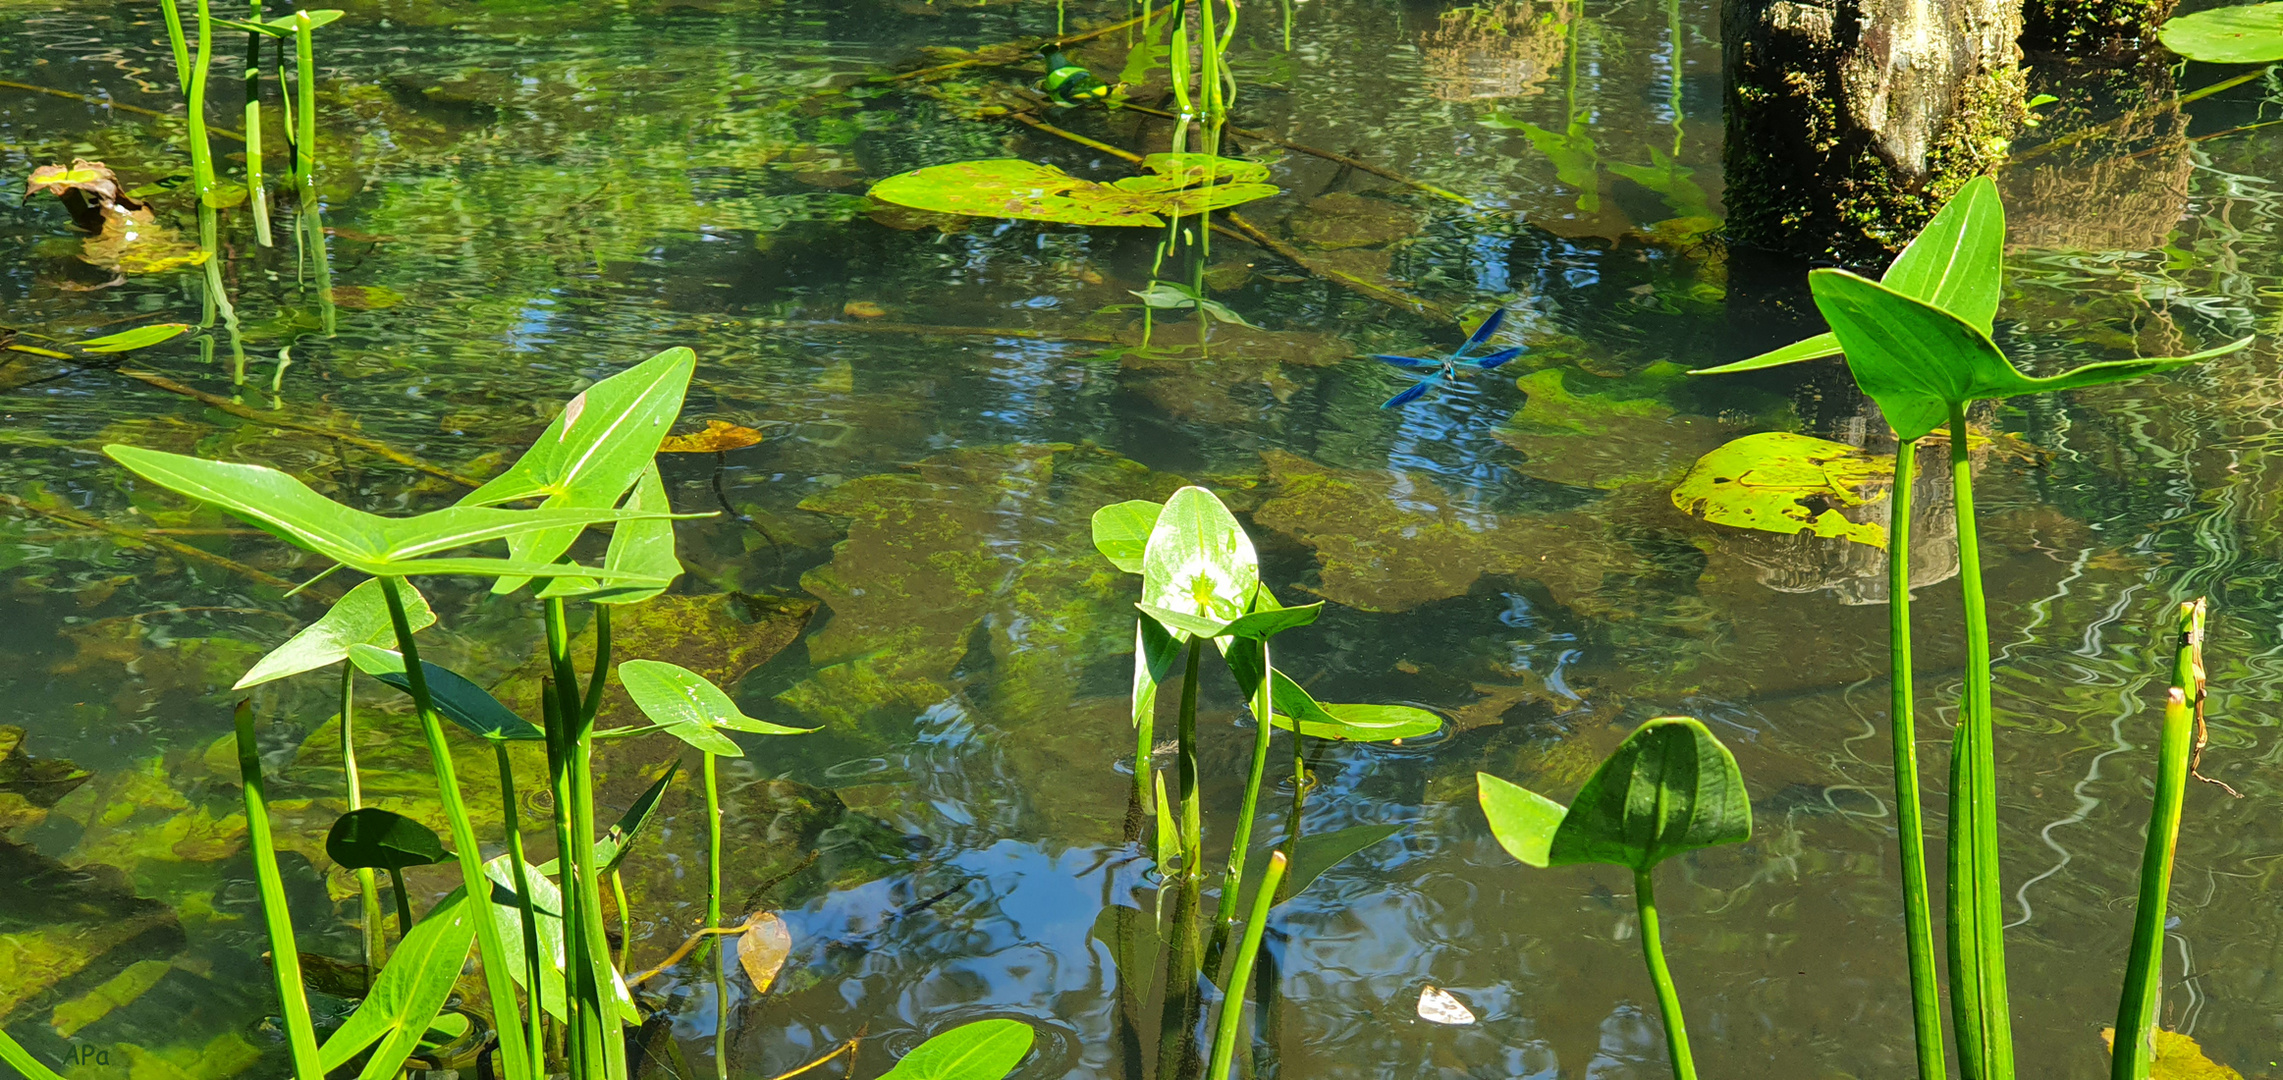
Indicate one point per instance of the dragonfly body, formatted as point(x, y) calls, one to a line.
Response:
point(1447, 369)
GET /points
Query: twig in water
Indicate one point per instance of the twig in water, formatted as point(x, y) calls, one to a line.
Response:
point(275, 419)
point(172, 546)
point(1012, 52)
point(99, 102)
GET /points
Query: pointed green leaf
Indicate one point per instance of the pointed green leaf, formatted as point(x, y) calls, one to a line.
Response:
point(1198, 560)
point(1184, 623)
point(1523, 820)
point(612, 847)
point(1670, 787)
point(268, 29)
point(141, 337)
point(1368, 723)
point(690, 707)
point(1318, 852)
point(382, 547)
point(1121, 532)
point(316, 18)
point(456, 699)
point(1916, 359)
point(375, 839)
point(359, 618)
point(1955, 263)
point(641, 548)
point(410, 991)
point(547, 912)
point(982, 1050)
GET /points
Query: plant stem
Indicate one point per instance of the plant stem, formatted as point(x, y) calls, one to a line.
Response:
point(368, 889)
point(497, 983)
point(13, 1053)
point(2133, 1049)
point(713, 918)
point(1234, 878)
point(1145, 732)
point(201, 154)
point(256, 197)
point(577, 1016)
point(1918, 916)
point(403, 902)
point(1668, 1000)
point(1977, 937)
point(305, 87)
point(584, 877)
point(1233, 1003)
point(1192, 815)
point(285, 954)
point(529, 919)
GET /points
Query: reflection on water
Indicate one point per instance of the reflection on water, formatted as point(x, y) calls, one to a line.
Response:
point(520, 199)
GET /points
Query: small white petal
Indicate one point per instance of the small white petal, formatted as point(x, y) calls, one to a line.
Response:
point(1439, 1007)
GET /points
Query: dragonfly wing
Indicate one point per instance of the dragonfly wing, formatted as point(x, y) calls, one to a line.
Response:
point(1405, 361)
point(1412, 393)
point(1494, 359)
point(1482, 333)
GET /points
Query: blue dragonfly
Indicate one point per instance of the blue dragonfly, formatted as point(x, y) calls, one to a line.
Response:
point(1447, 369)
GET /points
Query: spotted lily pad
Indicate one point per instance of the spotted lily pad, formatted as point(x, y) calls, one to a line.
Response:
point(2249, 34)
point(1176, 184)
point(1775, 481)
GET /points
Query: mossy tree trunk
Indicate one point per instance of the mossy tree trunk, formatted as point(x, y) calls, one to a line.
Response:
point(1850, 123)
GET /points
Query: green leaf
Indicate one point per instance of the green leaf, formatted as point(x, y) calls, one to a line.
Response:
point(1318, 852)
point(382, 547)
point(409, 993)
point(316, 18)
point(1955, 263)
point(1013, 188)
point(141, 337)
point(593, 451)
point(456, 699)
point(1155, 654)
point(690, 707)
point(982, 1050)
point(1269, 622)
point(1174, 296)
point(2250, 34)
point(1523, 820)
point(377, 839)
point(1368, 723)
point(1774, 481)
point(1198, 561)
point(359, 618)
point(1916, 359)
point(612, 847)
point(1670, 787)
point(641, 548)
point(267, 29)
point(547, 912)
point(1121, 532)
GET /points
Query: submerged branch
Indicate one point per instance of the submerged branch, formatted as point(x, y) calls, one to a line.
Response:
point(101, 103)
point(1012, 52)
point(263, 416)
point(176, 547)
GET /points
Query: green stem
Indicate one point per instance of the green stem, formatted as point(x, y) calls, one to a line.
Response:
point(2133, 1050)
point(529, 920)
point(1668, 999)
point(15, 1055)
point(713, 917)
point(1145, 734)
point(180, 44)
point(497, 983)
point(1977, 937)
point(313, 239)
point(257, 198)
point(201, 154)
point(1233, 1004)
point(1918, 916)
point(578, 1017)
point(368, 888)
point(403, 902)
point(285, 954)
point(305, 87)
point(1192, 815)
point(1233, 879)
point(584, 877)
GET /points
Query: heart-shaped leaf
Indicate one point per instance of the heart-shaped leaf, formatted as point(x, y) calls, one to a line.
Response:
point(1916, 360)
point(1670, 787)
point(1121, 532)
point(375, 839)
point(410, 991)
point(456, 699)
point(1955, 263)
point(382, 547)
point(359, 618)
point(1198, 561)
point(982, 1050)
point(690, 707)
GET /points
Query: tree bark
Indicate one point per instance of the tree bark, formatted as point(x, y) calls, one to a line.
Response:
point(1850, 123)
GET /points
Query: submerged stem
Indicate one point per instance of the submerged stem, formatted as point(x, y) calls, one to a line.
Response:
point(713, 919)
point(1910, 823)
point(368, 887)
point(1668, 999)
point(285, 953)
point(1977, 937)
point(1192, 815)
point(1233, 1003)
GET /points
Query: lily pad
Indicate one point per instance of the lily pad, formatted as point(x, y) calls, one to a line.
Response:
point(1778, 482)
point(1177, 184)
point(2249, 34)
point(2178, 1057)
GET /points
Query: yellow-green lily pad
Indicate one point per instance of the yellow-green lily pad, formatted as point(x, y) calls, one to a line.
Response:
point(1778, 482)
point(1176, 184)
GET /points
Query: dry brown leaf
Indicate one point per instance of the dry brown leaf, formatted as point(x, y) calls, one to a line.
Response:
point(763, 948)
point(719, 435)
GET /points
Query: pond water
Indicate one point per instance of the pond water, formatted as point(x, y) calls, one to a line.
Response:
point(522, 198)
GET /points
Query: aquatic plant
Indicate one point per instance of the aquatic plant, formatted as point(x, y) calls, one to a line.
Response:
point(1918, 344)
point(593, 465)
point(1178, 184)
point(1668, 789)
point(2133, 1047)
point(2247, 34)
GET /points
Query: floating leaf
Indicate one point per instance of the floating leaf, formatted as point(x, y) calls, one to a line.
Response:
point(763, 948)
point(718, 435)
point(141, 337)
point(1178, 185)
point(2178, 1057)
point(1772, 480)
point(382, 547)
point(1121, 532)
point(982, 1050)
point(691, 708)
point(409, 993)
point(456, 699)
point(2250, 34)
point(1437, 1006)
point(377, 839)
point(1174, 296)
point(359, 618)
